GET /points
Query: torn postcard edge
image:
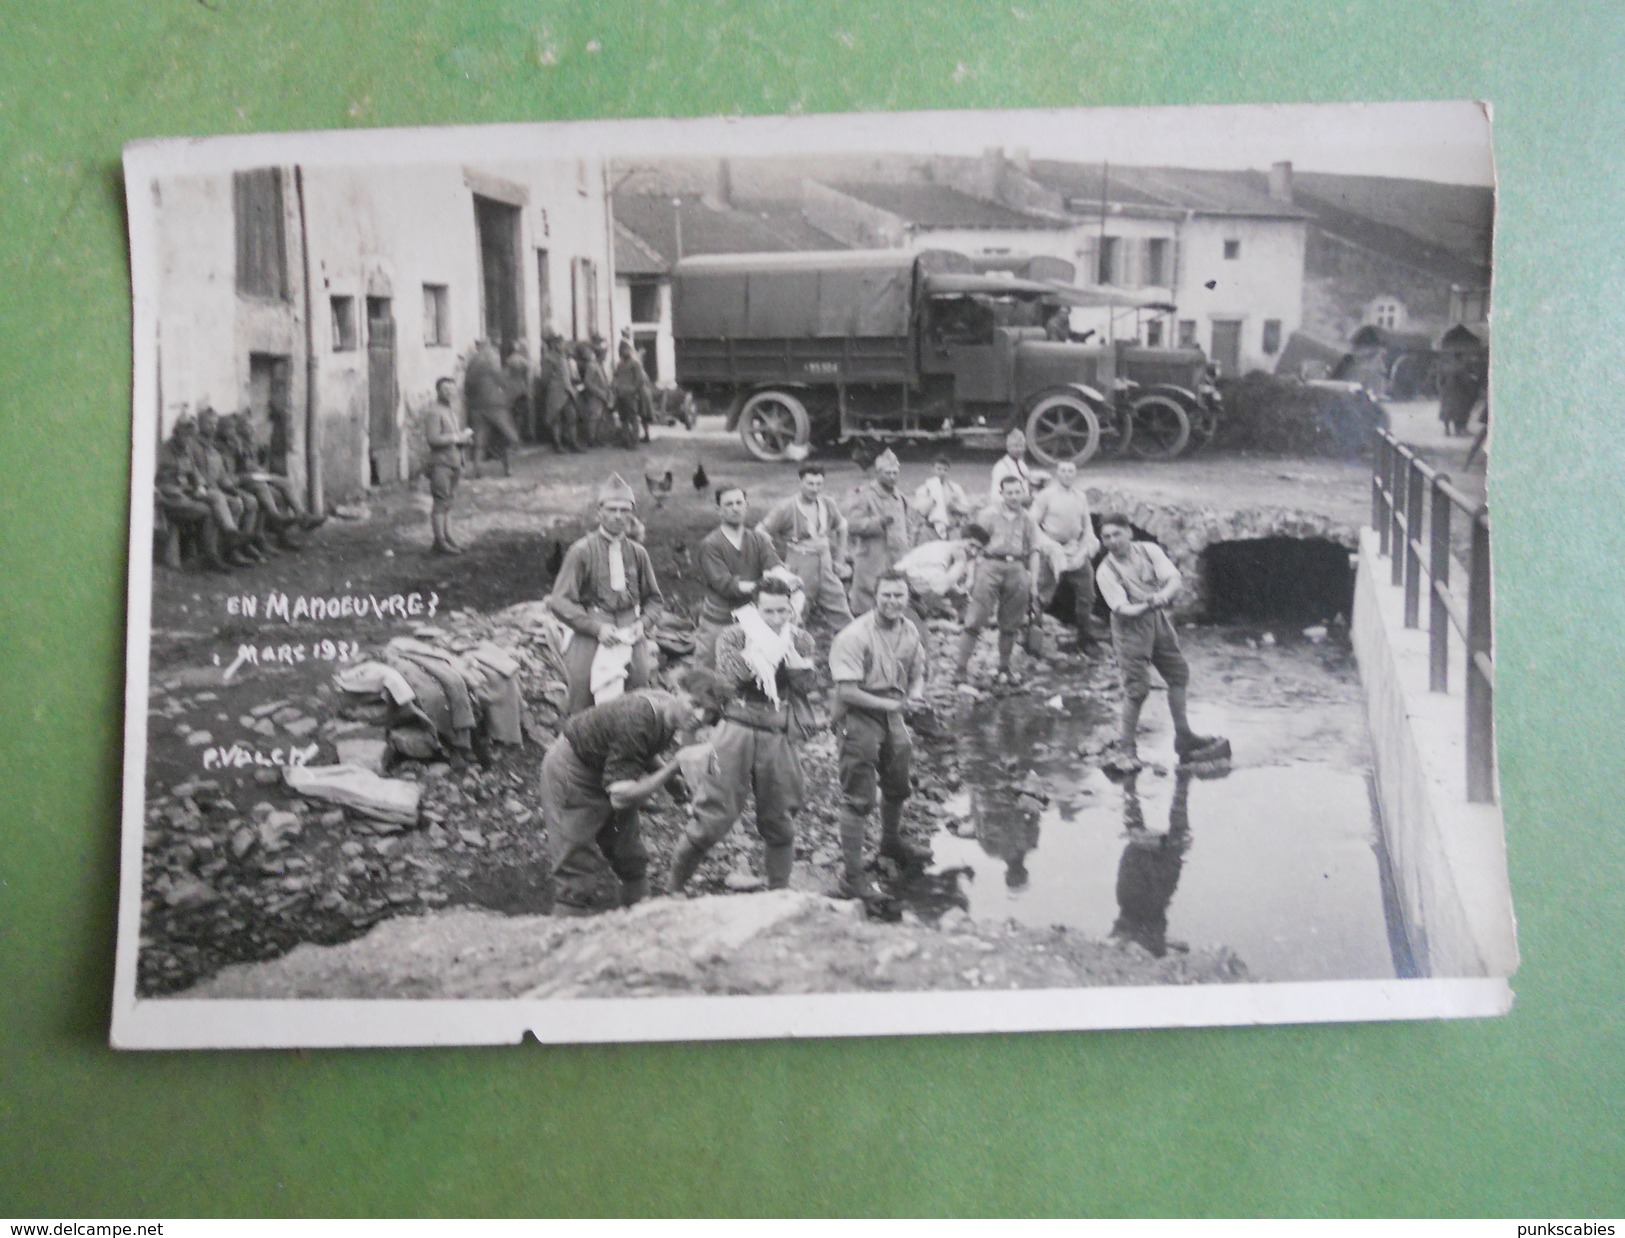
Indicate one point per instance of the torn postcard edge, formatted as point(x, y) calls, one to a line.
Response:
point(391, 395)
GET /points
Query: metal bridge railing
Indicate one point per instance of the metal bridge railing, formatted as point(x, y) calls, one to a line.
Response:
point(1409, 500)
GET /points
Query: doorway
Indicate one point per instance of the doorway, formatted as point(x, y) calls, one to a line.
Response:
point(269, 411)
point(1227, 346)
point(502, 312)
point(381, 436)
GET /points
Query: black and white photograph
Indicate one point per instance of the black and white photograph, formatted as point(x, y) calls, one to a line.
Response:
point(824, 575)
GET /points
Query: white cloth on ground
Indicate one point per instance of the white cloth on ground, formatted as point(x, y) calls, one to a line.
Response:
point(386, 799)
point(367, 678)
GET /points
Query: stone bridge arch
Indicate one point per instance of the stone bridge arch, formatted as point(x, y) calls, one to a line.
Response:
point(1186, 530)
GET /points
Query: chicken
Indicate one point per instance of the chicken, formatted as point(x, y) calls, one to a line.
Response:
point(555, 559)
point(659, 482)
point(702, 479)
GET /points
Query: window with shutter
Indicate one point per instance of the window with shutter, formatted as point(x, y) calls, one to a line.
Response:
point(262, 256)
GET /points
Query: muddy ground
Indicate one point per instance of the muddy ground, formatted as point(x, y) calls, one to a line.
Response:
point(238, 870)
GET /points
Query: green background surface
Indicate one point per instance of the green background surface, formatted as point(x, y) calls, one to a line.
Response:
point(1517, 1116)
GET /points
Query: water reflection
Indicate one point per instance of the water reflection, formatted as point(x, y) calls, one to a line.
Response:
point(1148, 872)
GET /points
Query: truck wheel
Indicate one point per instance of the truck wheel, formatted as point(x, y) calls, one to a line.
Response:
point(1062, 426)
point(1161, 428)
point(770, 422)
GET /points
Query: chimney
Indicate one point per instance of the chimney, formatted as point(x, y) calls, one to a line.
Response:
point(719, 190)
point(990, 174)
point(1022, 160)
point(1281, 181)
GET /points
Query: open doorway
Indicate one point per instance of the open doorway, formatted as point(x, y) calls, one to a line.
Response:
point(269, 408)
point(502, 302)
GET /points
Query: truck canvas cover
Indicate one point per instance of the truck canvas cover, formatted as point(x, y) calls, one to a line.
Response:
point(854, 293)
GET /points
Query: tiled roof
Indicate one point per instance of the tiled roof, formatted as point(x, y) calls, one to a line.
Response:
point(651, 219)
point(940, 206)
point(1454, 218)
point(634, 257)
point(1183, 189)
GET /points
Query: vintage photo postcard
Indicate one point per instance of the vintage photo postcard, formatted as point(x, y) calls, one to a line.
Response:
point(810, 576)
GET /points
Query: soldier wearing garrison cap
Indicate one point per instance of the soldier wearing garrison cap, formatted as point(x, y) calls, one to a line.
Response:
point(604, 592)
point(877, 525)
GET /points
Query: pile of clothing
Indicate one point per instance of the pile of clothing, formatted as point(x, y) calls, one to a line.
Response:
point(439, 699)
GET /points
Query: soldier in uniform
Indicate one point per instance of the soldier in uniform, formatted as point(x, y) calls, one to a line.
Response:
point(555, 397)
point(489, 403)
point(810, 533)
point(630, 391)
point(516, 373)
point(878, 664)
point(184, 501)
point(595, 392)
point(247, 539)
point(445, 438)
point(605, 590)
point(604, 763)
point(765, 661)
point(877, 523)
point(733, 560)
point(1005, 587)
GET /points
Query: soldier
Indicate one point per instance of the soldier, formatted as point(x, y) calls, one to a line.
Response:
point(184, 502)
point(733, 560)
point(810, 533)
point(942, 503)
point(488, 400)
point(276, 493)
point(1013, 463)
point(1138, 581)
point(878, 665)
point(764, 660)
point(446, 439)
point(630, 391)
point(1062, 514)
point(247, 540)
point(554, 396)
point(604, 592)
point(604, 763)
point(1005, 587)
point(595, 392)
point(877, 525)
point(516, 373)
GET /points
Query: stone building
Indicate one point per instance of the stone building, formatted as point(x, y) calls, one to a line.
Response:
point(327, 299)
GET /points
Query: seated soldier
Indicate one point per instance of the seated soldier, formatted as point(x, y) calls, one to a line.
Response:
point(280, 510)
point(183, 502)
point(247, 544)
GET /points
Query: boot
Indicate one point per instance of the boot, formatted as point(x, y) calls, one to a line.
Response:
point(634, 891)
point(855, 882)
point(892, 843)
point(684, 861)
point(779, 858)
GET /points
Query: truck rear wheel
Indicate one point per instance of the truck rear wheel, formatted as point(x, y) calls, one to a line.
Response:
point(770, 422)
point(1062, 426)
point(1161, 428)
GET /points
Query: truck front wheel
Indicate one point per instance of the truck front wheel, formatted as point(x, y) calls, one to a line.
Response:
point(1062, 426)
point(770, 422)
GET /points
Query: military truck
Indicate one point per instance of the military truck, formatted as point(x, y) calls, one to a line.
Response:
point(809, 349)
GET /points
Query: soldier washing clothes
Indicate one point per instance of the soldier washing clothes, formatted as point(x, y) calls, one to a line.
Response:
point(605, 591)
point(765, 661)
point(603, 764)
point(878, 664)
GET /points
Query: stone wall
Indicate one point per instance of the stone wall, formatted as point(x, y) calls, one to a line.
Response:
point(1185, 532)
